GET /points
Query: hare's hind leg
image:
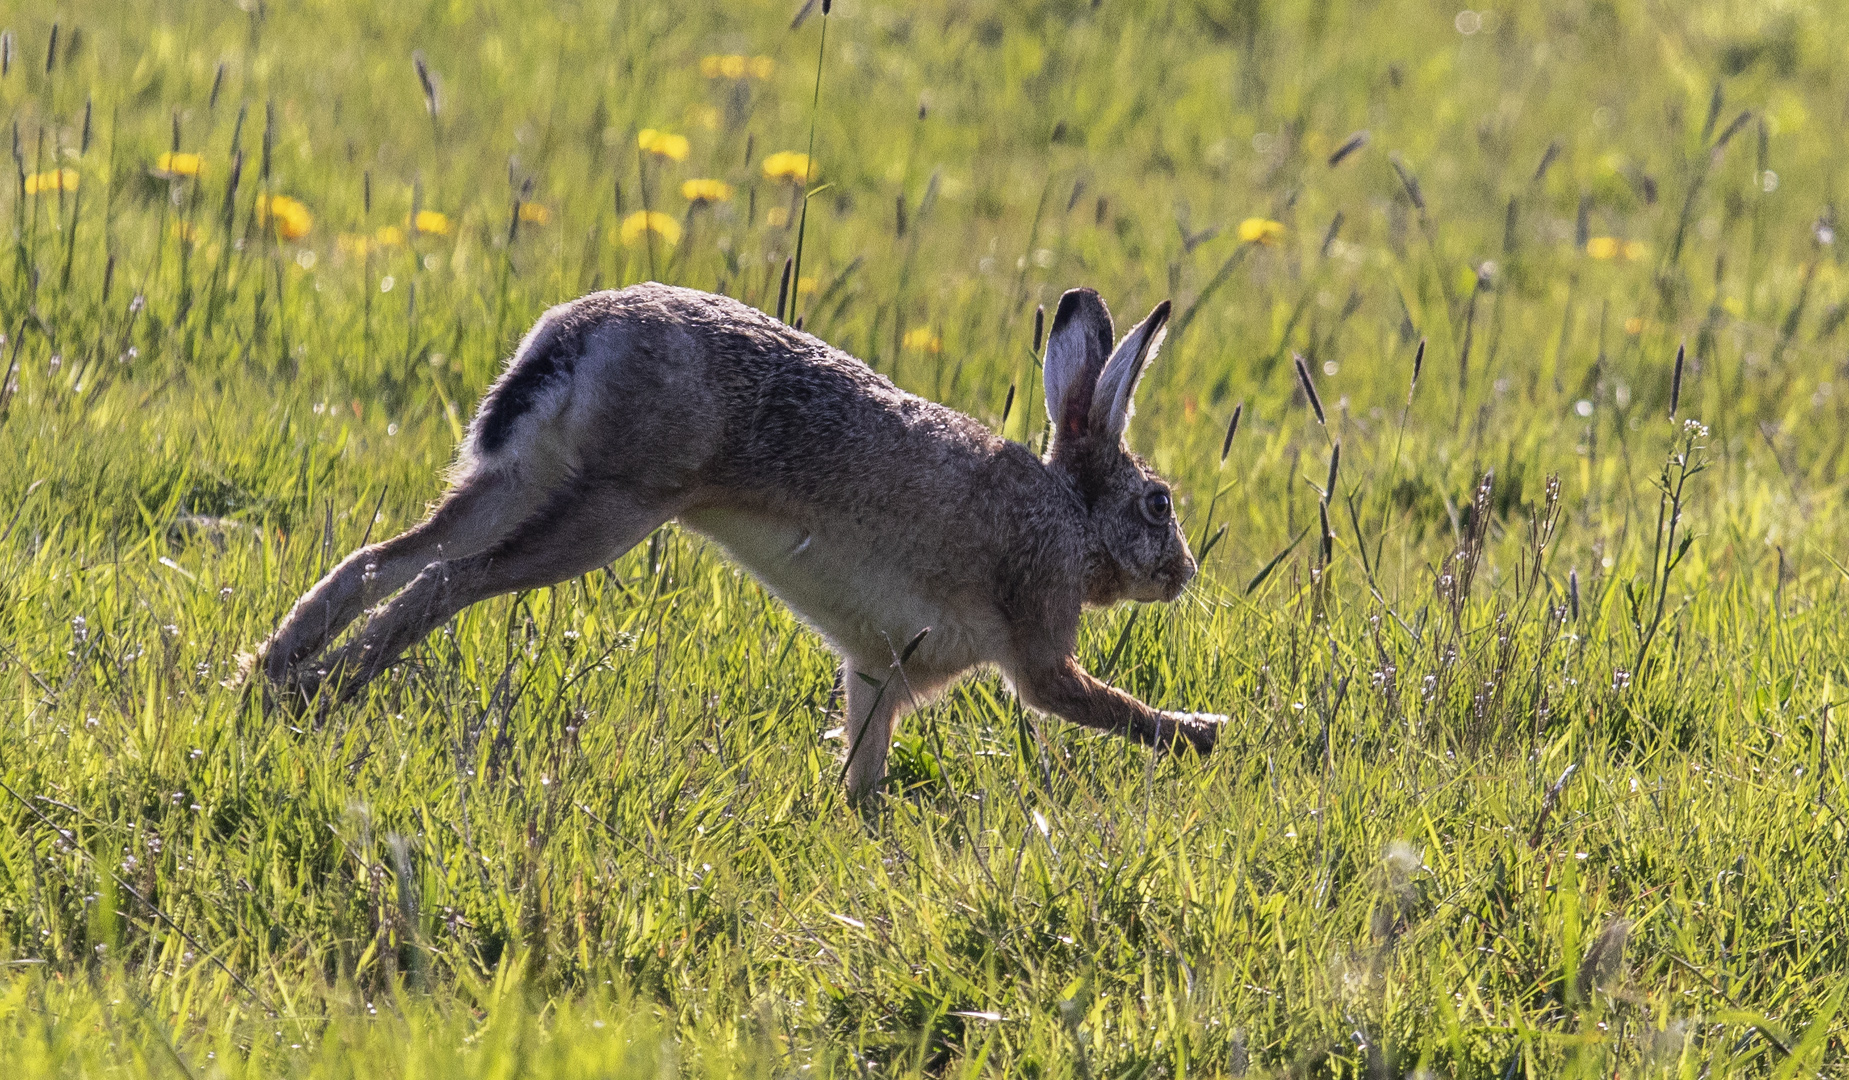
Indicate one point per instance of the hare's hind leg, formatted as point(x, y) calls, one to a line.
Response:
point(479, 510)
point(573, 534)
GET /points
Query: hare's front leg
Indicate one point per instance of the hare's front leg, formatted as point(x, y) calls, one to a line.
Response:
point(1067, 690)
point(873, 700)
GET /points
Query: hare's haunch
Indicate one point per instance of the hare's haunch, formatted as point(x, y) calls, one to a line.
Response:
point(876, 515)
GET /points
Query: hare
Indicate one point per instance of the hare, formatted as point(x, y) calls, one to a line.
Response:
point(891, 524)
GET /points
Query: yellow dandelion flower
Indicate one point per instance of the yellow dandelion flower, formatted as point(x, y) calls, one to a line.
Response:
point(353, 244)
point(533, 213)
point(706, 191)
point(432, 222)
point(1257, 230)
point(805, 285)
point(737, 67)
point(288, 217)
point(171, 166)
point(1635, 250)
point(1602, 247)
point(54, 180)
point(1634, 325)
point(389, 236)
point(923, 339)
point(1467, 279)
point(663, 144)
point(777, 217)
point(789, 165)
point(703, 116)
point(642, 222)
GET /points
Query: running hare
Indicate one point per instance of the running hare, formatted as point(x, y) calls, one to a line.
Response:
point(875, 514)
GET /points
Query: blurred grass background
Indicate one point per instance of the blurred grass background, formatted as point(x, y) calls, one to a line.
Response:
point(1526, 776)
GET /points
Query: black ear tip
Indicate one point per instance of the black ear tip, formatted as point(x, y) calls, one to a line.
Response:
point(1159, 316)
point(1069, 305)
point(1076, 302)
point(1085, 309)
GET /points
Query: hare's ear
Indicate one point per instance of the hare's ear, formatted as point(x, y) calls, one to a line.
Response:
point(1076, 351)
point(1112, 402)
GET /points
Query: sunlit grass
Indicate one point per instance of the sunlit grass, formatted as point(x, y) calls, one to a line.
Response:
point(1527, 776)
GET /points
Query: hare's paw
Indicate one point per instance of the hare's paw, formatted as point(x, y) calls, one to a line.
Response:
point(278, 656)
point(1199, 731)
point(293, 691)
point(293, 695)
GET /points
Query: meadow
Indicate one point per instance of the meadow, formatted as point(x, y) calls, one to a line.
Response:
point(1533, 767)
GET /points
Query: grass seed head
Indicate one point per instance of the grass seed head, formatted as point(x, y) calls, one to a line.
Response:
point(1675, 381)
point(1548, 157)
point(1732, 130)
point(269, 137)
point(424, 80)
point(1335, 230)
point(1349, 146)
point(237, 128)
point(1232, 428)
point(1309, 388)
point(1409, 182)
point(231, 187)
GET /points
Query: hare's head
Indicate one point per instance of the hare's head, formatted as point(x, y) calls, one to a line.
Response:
point(1134, 546)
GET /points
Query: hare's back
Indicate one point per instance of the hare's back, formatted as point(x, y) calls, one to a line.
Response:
point(802, 419)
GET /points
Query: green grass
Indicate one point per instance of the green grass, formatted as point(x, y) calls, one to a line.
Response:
point(1516, 783)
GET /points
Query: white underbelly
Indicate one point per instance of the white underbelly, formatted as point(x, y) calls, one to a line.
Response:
point(864, 605)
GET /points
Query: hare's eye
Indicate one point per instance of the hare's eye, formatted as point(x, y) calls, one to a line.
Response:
point(1157, 506)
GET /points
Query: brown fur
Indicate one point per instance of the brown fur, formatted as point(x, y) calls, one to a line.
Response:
point(875, 514)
